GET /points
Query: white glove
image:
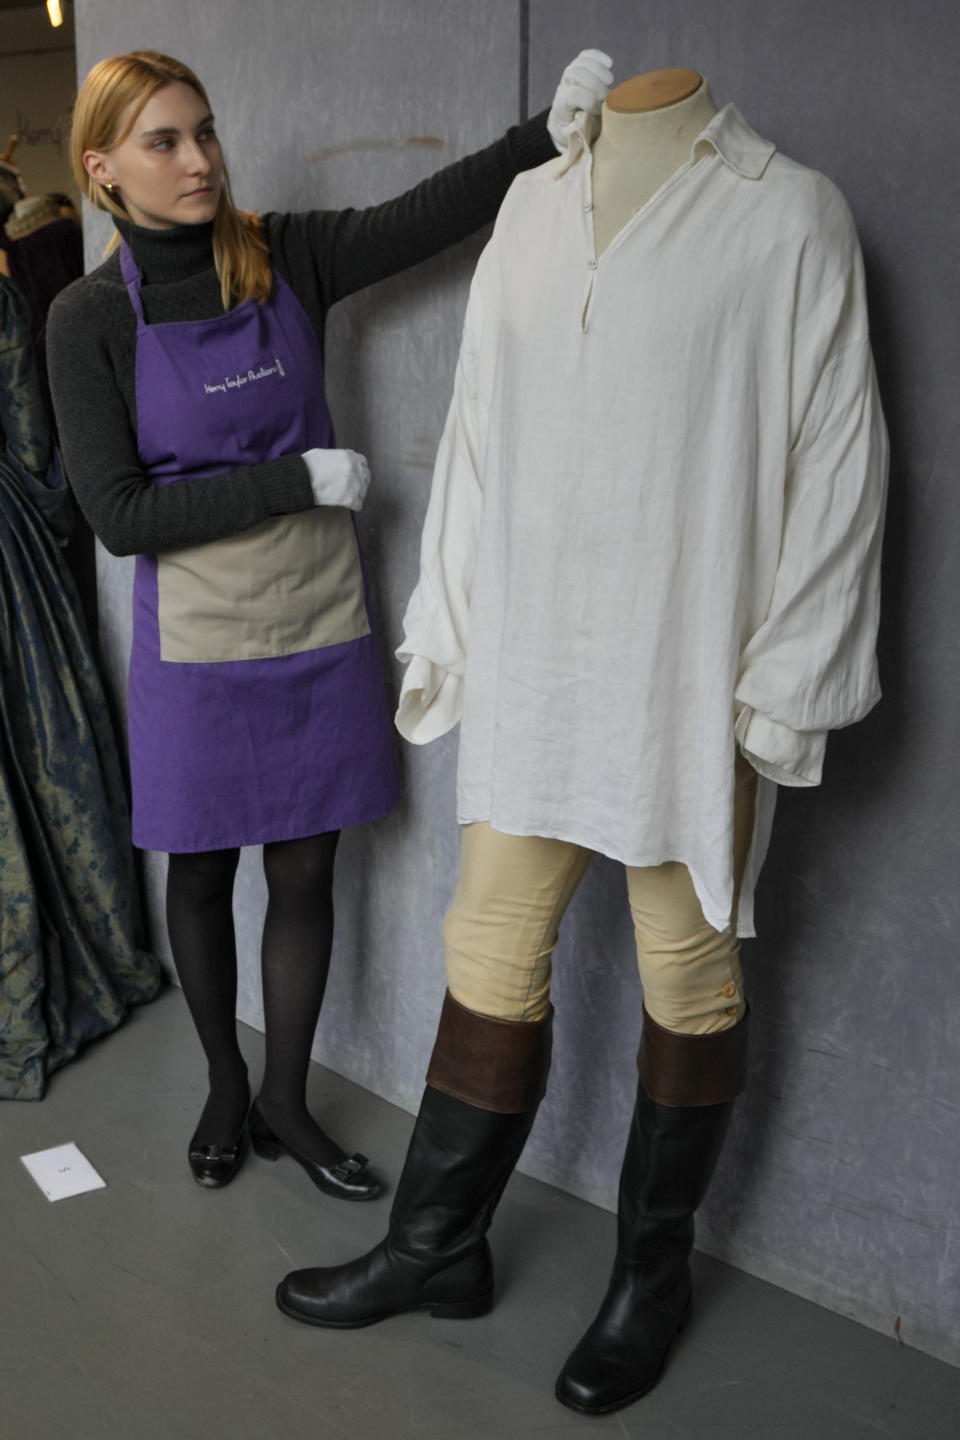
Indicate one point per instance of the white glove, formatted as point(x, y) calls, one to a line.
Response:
point(583, 86)
point(338, 477)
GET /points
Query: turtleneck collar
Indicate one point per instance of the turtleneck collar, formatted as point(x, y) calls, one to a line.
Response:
point(173, 254)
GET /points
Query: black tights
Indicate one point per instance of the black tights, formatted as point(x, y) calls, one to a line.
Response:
point(297, 940)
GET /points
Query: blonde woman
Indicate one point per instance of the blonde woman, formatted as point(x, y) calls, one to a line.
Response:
point(187, 375)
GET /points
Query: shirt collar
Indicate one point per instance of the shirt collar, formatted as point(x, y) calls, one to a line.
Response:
point(737, 144)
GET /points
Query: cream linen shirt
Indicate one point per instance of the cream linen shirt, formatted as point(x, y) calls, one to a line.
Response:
point(656, 512)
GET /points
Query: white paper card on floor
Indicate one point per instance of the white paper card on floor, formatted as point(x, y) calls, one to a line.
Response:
point(63, 1171)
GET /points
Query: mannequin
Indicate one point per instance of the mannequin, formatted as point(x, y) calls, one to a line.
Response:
point(648, 125)
point(44, 245)
point(652, 494)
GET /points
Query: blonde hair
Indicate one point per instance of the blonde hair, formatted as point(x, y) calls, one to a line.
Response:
point(111, 88)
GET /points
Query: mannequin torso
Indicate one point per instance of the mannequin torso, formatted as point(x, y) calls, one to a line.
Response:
point(648, 126)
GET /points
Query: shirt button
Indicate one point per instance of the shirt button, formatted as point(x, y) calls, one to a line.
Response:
point(588, 205)
point(591, 264)
point(733, 1010)
point(729, 989)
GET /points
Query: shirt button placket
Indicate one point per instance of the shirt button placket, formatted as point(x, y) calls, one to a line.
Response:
point(591, 271)
point(588, 296)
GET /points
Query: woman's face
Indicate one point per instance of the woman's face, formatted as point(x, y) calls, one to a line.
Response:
point(169, 169)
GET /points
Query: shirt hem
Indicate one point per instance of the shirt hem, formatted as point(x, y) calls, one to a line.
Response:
point(745, 915)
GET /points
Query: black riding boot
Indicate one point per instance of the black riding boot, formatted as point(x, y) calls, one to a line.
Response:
point(484, 1084)
point(684, 1101)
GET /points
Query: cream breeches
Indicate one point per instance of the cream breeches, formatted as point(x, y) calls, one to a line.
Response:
point(501, 929)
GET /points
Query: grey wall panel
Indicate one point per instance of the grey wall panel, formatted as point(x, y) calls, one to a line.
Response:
point(842, 1176)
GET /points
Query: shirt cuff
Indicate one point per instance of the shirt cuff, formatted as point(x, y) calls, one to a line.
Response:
point(431, 701)
point(790, 757)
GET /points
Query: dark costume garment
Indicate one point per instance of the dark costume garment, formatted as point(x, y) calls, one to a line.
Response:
point(11, 190)
point(44, 250)
point(71, 961)
point(43, 258)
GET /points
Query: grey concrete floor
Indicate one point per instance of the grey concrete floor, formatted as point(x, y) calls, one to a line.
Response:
point(145, 1311)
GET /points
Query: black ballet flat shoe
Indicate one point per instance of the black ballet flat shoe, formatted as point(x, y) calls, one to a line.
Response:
point(214, 1166)
point(348, 1179)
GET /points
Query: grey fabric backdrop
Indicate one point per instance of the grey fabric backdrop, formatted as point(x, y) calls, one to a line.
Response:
point(841, 1178)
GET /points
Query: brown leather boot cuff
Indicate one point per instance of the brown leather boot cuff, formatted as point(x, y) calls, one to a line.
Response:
point(678, 1069)
point(499, 1065)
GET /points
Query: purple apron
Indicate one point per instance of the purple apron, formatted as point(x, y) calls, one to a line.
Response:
point(256, 707)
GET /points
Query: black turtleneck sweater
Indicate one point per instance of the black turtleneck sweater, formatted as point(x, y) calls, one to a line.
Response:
point(323, 255)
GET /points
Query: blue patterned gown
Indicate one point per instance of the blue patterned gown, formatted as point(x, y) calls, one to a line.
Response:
point(71, 961)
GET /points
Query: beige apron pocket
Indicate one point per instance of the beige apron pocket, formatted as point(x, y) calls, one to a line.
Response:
point(292, 583)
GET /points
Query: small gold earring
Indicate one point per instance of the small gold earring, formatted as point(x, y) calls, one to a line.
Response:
point(109, 186)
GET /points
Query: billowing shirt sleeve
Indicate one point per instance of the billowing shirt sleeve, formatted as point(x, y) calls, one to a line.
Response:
point(434, 646)
point(811, 665)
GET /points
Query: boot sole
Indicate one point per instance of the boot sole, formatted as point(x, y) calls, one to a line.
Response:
point(634, 1395)
point(446, 1310)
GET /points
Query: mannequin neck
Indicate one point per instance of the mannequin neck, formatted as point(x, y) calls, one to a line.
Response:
point(665, 128)
point(638, 150)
